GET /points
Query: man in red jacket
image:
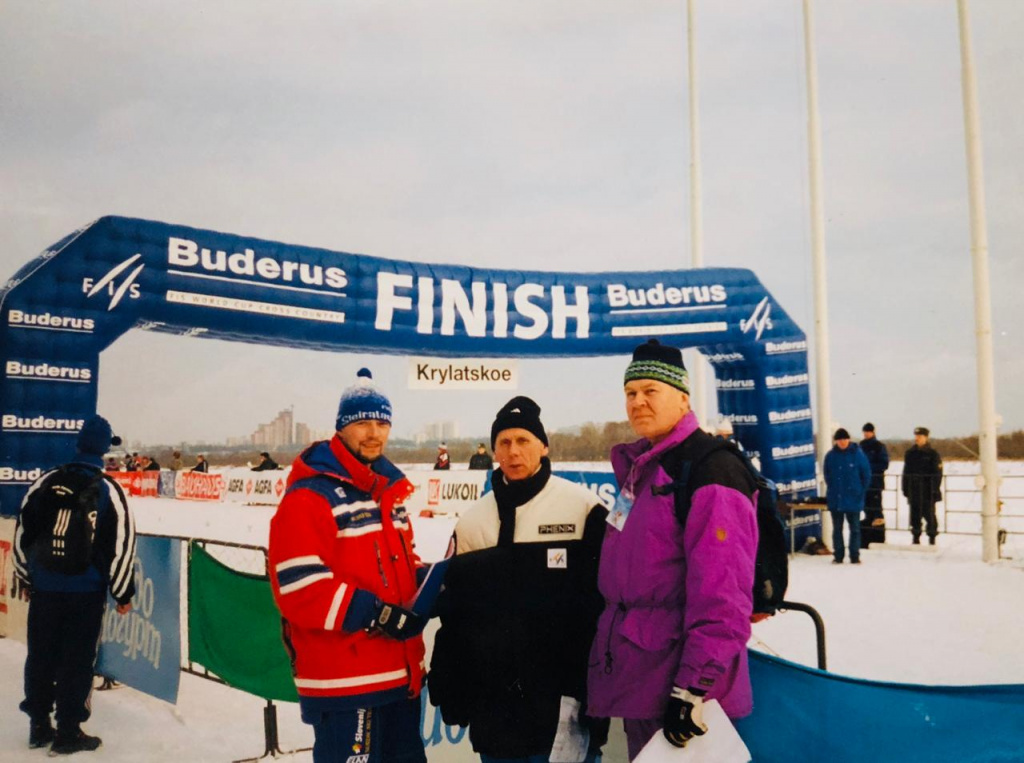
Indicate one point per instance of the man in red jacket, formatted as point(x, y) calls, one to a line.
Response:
point(344, 575)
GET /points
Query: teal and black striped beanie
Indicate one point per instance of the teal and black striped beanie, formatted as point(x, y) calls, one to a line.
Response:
point(653, 360)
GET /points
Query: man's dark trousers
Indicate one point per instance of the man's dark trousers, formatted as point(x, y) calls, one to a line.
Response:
point(922, 506)
point(63, 635)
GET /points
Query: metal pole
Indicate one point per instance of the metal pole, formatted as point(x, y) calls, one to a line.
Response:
point(982, 298)
point(699, 397)
point(819, 627)
point(822, 384)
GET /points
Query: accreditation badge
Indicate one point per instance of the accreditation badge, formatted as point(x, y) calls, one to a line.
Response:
point(620, 511)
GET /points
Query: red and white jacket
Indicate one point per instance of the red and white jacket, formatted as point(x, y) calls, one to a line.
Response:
point(341, 527)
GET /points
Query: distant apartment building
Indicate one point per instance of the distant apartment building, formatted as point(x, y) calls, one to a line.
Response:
point(282, 433)
point(279, 433)
point(438, 431)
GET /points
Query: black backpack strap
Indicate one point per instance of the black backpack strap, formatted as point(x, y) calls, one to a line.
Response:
point(683, 461)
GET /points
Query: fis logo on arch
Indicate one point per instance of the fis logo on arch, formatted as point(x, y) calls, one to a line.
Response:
point(117, 283)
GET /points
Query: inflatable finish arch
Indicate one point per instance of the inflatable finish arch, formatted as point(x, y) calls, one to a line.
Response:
point(62, 309)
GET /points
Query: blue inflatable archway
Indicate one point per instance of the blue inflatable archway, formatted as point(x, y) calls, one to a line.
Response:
point(62, 309)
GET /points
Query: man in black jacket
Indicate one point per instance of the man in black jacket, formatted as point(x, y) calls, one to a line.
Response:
point(481, 459)
point(266, 463)
point(922, 485)
point(873, 524)
point(74, 539)
point(520, 606)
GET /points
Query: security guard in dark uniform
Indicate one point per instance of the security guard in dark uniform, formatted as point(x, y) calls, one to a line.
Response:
point(922, 485)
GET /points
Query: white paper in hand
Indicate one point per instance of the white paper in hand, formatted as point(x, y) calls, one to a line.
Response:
point(721, 743)
point(571, 739)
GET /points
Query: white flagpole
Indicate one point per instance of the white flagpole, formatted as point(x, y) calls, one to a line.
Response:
point(982, 298)
point(822, 384)
point(699, 399)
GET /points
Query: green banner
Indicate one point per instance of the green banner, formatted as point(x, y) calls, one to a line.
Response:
point(234, 628)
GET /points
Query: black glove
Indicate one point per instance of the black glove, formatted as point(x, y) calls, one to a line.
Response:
point(684, 716)
point(397, 622)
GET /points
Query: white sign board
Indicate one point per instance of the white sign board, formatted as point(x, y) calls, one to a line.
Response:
point(445, 492)
point(464, 373)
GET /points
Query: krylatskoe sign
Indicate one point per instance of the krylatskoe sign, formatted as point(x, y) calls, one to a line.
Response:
point(465, 373)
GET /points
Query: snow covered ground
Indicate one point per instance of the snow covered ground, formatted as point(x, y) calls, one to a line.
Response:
point(907, 614)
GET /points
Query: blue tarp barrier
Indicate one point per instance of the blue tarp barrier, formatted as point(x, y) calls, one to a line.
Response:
point(804, 714)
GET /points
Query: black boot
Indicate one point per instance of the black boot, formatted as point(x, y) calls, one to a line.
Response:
point(917, 540)
point(931, 541)
point(40, 734)
point(67, 743)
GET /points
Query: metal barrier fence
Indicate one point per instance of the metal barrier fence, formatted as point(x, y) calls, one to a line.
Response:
point(245, 558)
point(959, 511)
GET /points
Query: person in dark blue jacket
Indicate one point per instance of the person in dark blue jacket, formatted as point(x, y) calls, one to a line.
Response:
point(74, 539)
point(847, 477)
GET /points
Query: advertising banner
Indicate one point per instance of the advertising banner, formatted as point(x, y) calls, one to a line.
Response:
point(13, 597)
point(197, 486)
point(166, 489)
point(149, 484)
point(13, 594)
point(61, 309)
point(453, 492)
point(254, 488)
point(601, 484)
point(446, 492)
point(142, 648)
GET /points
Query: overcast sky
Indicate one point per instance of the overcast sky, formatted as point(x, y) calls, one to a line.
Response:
point(535, 135)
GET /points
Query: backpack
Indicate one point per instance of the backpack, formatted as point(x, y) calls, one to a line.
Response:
point(65, 508)
point(771, 569)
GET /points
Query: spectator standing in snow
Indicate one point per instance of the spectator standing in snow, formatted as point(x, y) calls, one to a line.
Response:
point(443, 462)
point(266, 463)
point(678, 599)
point(202, 465)
point(922, 485)
point(847, 477)
point(873, 530)
point(344, 575)
point(520, 605)
point(150, 464)
point(481, 460)
point(74, 539)
point(176, 463)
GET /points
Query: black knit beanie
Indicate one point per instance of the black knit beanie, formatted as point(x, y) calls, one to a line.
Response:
point(519, 413)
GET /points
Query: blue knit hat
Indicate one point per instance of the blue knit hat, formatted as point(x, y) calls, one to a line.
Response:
point(362, 401)
point(96, 437)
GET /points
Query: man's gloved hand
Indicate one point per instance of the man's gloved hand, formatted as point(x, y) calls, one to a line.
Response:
point(367, 612)
point(684, 716)
point(397, 622)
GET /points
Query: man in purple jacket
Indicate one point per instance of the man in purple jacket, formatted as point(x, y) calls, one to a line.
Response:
point(678, 601)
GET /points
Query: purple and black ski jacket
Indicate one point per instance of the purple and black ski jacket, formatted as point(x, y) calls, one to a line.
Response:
point(677, 603)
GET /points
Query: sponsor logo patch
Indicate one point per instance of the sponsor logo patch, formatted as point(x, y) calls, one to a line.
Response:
point(556, 529)
point(558, 559)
